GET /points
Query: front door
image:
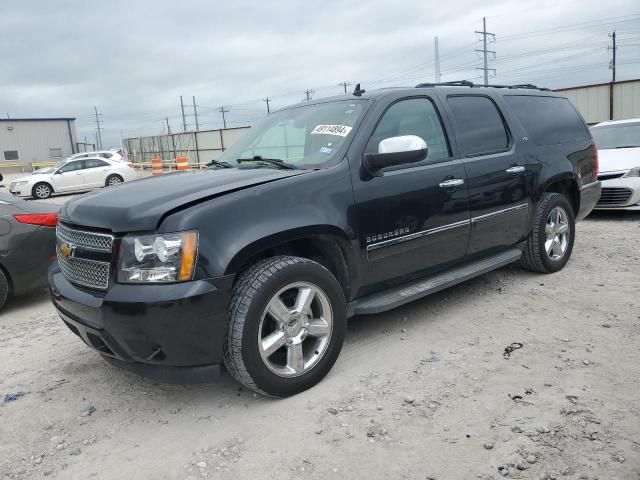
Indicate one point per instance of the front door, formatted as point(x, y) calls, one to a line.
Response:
point(498, 178)
point(69, 177)
point(414, 218)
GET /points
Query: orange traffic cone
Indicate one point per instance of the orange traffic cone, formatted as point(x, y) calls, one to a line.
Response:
point(156, 166)
point(183, 163)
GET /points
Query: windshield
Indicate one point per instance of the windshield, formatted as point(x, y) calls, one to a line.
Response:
point(617, 136)
point(308, 136)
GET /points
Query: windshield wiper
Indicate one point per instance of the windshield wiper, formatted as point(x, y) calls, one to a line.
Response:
point(272, 161)
point(628, 146)
point(217, 164)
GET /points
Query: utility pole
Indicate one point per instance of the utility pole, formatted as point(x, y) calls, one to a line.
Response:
point(195, 114)
point(168, 126)
point(267, 100)
point(437, 58)
point(223, 110)
point(612, 67)
point(99, 132)
point(345, 84)
point(485, 52)
point(308, 94)
point(184, 122)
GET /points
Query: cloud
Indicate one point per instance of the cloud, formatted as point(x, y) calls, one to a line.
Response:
point(133, 59)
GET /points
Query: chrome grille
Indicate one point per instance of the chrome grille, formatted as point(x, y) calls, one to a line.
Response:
point(84, 257)
point(84, 239)
point(611, 197)
point(85, 272)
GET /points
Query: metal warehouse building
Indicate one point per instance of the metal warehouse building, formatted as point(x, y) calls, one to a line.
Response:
point(24, 141)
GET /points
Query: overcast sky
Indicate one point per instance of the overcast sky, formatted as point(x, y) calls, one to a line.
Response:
point(133, 59)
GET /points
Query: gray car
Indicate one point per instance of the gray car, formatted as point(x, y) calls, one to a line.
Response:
point(27, 244)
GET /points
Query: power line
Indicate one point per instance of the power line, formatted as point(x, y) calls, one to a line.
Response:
point(485, 68)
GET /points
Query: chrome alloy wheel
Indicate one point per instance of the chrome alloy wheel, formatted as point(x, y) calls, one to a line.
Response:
point(114, 181)
point(557, 233)
point(295, 329)
point(42, 191)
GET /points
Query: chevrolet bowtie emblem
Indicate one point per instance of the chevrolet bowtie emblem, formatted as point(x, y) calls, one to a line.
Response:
point(66, 250)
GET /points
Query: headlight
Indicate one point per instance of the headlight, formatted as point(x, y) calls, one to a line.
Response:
point(169, 257)
point(21, 182)
point(634, 172)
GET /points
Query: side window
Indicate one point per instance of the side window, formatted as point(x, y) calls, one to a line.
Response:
point(548, 120)
point(71, 166)
point(479, 126)
point(55, 153)
point(416, 116)
point(94, 163)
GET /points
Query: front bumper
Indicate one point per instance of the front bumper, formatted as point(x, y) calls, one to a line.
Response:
point(172, 333)
point(625, 194)
point(589, 195)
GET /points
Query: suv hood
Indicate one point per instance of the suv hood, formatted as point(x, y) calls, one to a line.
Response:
point(140, 205)
point(618, 159)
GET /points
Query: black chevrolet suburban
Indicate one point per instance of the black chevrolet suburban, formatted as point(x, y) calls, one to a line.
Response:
point(343, 206)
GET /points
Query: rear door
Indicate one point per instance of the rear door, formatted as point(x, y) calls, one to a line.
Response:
point(96, 172)
point(69, 177)
point(415, 217)
point(499, 179)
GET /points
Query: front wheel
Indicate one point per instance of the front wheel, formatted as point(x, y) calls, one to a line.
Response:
point(287, 322)
point(42, 191)
point(550, 243)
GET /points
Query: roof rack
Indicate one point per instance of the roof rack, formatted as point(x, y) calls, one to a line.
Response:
point(467, 83)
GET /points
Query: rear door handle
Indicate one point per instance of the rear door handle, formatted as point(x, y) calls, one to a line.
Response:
point(454, 182)
point(515, 170)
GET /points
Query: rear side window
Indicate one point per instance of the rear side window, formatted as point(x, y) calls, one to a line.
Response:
point(480, 128)
point(94, 163)
point(548, 120)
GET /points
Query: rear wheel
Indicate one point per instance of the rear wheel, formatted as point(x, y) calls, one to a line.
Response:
point(113, 180)
point(42, 190)
point(4, 288)
point(287, 322)
point(550, 243)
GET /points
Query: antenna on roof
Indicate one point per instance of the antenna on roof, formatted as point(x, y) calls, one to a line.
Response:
point(358, 91)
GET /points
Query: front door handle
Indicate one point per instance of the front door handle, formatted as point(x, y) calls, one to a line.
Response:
point(454, 182)
point(515, 170)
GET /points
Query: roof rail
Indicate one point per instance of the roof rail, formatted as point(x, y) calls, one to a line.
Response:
point(467, 83)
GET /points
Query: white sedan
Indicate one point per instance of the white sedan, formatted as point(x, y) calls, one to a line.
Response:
point(73, 175)
point(618, 144)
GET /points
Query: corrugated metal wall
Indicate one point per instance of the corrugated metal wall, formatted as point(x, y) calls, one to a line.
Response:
point(598, 103)
point(33, 139)
point(200, 147)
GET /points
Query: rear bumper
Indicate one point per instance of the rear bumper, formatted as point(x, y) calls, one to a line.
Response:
point(170, 333)
point(589, 196)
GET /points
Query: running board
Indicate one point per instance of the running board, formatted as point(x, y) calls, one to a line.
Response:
point(388, 299)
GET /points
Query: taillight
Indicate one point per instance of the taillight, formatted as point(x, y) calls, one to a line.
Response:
point(42, 219)
point(595, 155)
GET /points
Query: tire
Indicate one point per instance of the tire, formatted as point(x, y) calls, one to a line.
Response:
point(287, 279)
point(113, 180)
point(545, 234)
point(41, 190)
point(4, 289)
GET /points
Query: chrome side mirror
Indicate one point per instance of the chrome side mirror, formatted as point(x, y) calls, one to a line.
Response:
point(395, 151)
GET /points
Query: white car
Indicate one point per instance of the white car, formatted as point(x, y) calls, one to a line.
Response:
point(73, 175)
point(618, 144)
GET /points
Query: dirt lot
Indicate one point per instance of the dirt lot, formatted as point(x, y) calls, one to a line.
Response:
point(422, 392)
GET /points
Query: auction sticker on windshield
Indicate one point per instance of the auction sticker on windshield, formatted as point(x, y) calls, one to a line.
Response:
point(339, 130)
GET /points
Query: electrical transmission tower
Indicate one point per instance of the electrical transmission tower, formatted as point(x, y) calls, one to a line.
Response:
point(308, 94)
point(485, 53)
point(613, 48)
point(99, 129)
point(224, 110)
point(267, 100)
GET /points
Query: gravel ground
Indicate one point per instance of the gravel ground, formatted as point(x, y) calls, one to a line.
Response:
point(421, 392)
